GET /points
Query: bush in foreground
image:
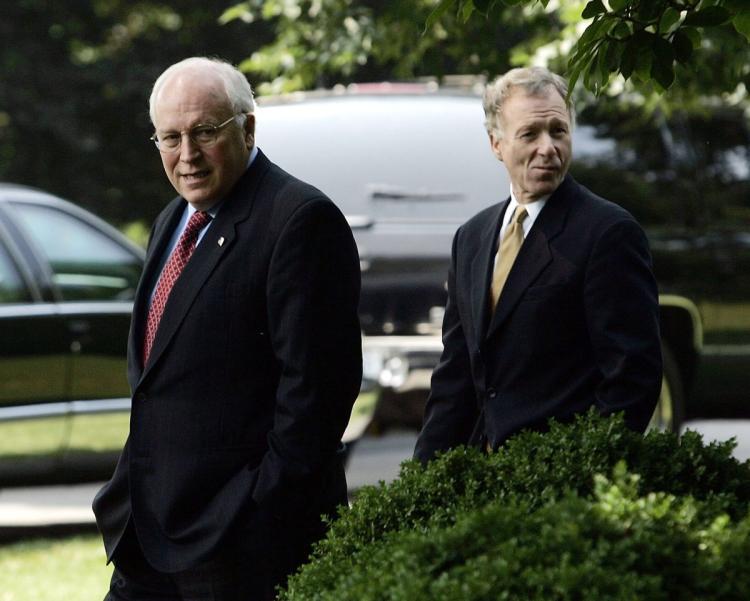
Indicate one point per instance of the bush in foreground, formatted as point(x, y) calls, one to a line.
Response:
point(529, 522)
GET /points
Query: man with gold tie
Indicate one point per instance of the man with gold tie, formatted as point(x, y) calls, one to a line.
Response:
point(552, 305)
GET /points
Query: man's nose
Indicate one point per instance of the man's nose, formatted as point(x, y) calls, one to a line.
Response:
point(546, 144)
point(188, 149)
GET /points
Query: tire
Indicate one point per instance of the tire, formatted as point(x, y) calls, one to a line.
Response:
point(669, 413)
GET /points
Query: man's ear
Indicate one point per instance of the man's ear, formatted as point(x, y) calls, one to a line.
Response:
point(496, 146)
point(250, 130)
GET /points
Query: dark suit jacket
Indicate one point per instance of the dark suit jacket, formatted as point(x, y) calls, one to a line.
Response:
point(237, 418)
point(576, 326)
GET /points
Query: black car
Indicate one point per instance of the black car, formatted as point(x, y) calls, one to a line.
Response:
point(67, 281)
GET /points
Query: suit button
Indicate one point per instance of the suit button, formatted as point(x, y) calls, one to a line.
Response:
point(140, 397)
point(491, 393)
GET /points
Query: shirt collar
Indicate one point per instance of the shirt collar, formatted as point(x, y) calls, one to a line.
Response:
point(532, 208)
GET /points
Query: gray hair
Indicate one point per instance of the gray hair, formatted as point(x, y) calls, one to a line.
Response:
point(236, 86)
point(534, 80)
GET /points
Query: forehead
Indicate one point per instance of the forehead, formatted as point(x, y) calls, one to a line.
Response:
point(189, 97)
point(521, 107)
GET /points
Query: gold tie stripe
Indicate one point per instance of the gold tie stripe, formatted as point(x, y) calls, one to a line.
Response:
point(507, 253)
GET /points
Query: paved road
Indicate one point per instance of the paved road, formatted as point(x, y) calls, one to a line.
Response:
point(373, 459)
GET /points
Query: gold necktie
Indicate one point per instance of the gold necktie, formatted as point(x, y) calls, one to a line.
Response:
point(507, 253)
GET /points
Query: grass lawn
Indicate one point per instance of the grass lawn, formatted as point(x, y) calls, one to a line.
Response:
point(71, 569)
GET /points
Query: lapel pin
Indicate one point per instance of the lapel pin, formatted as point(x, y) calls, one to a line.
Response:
point(221, 241)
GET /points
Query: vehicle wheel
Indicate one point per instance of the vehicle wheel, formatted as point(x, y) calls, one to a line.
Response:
point(670, 408)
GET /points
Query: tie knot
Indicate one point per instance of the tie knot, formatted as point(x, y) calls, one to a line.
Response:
point(520, 214)
point(197, 222)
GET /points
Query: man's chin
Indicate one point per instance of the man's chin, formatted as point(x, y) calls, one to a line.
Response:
point(547, 185)
point(199, 199)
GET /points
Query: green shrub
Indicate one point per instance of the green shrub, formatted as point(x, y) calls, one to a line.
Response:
point(616, 546)
point(532, 473)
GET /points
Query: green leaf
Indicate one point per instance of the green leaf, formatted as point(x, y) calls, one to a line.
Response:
point(573, 74)
point(742, 24)
point(590, 78)
point(627, 64)
point(617, 5)
point(712, 16)
point(602, 69)
point(668, 20)
point(595, 71)
point(682, 46)
point(237, 11)
point(622, 31)
point(613, 54)
point(693, 34)
point(466, 9)
point(438, 13)
point(662, 65)
point(581, 59)
point(593, 8)
point(641, 45)
point(650, 10)
point(593, 32)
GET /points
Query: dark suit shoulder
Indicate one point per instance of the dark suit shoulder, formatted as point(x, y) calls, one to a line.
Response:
point(594, 209)
point(482, 217)
point(289, 193)
point(485, 219)
point(176, 204)
point(282, 200)
point(292, 188)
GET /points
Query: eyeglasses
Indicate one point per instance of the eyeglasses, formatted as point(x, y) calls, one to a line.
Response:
point(203, 135)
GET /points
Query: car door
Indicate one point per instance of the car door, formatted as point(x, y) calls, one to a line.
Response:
point(33, 373)
point(94, 274)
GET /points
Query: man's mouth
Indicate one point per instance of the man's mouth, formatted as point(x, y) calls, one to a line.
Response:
point(195, 176)
point(546, 170)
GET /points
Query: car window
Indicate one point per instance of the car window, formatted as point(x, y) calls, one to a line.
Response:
point(86, 264)
point(12, 288)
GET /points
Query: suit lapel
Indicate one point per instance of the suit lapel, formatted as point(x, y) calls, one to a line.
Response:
point(217, 242)
point(535, 254)
point(481, 270)
point(160, 238)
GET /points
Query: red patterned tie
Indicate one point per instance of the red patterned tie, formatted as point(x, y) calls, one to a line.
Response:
point(177, 261)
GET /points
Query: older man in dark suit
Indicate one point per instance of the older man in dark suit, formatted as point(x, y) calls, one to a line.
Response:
point(244, 361)
point(552, 305)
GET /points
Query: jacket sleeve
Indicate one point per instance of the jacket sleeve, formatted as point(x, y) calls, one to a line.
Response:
point(451, 413)
point(313, 286)
point(622, 316)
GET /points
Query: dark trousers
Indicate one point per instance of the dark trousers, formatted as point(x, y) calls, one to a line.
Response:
point(229, 576)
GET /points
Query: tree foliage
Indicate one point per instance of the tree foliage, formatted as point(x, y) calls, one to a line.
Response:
point(320, 43)
point(694, 48)
point(647, 40)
